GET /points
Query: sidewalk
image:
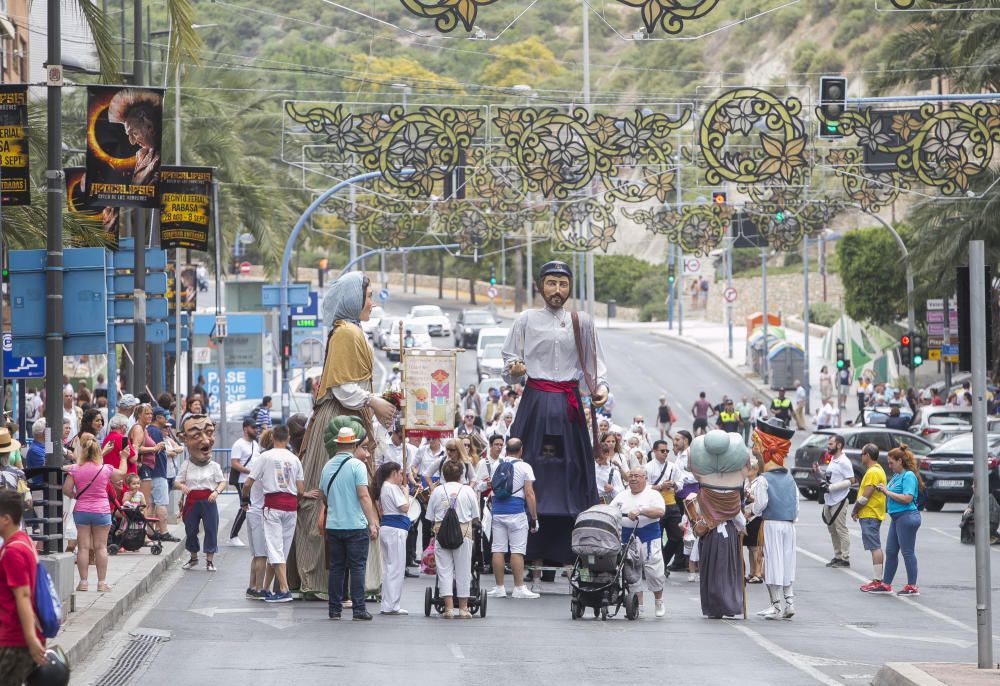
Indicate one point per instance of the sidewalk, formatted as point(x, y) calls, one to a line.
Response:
point(934, 674)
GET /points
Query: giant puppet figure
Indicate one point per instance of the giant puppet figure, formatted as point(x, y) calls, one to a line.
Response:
point(778, 505)
point(543, 352)
point(718, 461)
point(345, 388)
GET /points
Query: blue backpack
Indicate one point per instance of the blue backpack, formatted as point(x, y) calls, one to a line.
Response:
point(45, 598)
point(503, 480)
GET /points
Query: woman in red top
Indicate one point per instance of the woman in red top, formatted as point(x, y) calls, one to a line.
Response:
point(144, 448)
point(116, 448)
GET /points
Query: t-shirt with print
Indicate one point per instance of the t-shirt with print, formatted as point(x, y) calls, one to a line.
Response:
point(875, 507)
point(343, 510)
point(17, 568)
point(277, 470)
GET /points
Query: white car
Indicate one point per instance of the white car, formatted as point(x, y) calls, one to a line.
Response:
point(438, 323)
point(490, 363)
point(370, 326)
point(490, 336)
point(418, 330)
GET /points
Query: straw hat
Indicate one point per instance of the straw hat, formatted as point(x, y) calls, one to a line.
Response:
point(7, 442)
point(345, 436)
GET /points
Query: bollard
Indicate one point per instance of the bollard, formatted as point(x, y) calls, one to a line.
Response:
point(612, 311)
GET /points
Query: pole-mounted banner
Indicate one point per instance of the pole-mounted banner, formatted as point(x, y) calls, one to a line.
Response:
point(15, 184)
point(77, 205)
point(185, 207)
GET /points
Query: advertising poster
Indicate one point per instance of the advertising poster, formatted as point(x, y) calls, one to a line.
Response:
point(430, 392)
point(124, 131)
point(185, 207)
point(189, 289)
point(15, 185)
point(76, 204)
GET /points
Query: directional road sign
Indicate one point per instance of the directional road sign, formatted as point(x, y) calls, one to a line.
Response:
point(15, 367)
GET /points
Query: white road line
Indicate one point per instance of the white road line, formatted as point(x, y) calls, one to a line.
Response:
point(925, 639)
point(456, 651)
point(791, 658)
point(955, 538)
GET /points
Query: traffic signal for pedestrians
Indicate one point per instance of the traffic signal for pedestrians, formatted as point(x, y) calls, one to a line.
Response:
point(841, 358)
point(719, 197)
point(906, 349)
point(832, 105)
point(493, 275)
point(916, 350)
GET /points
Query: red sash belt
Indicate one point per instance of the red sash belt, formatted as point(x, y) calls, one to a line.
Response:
point(193, 497)
point(281, 501)
point(566, 387)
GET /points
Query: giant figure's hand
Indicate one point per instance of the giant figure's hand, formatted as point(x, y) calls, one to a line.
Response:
point(600, 397)
point(383, 409)
point(517, 369)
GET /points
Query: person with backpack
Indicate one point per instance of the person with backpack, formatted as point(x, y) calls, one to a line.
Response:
point(513, 502)
point(22, 646)
point(454, 509)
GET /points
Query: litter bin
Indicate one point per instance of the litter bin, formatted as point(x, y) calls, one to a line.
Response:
point(612, 308)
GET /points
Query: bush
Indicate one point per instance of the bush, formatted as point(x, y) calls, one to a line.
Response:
point(615, 278)
point(649, 290)
point(823, 314)
point(653, 312)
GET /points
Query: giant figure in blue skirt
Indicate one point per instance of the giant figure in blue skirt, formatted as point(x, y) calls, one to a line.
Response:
point(541, 353)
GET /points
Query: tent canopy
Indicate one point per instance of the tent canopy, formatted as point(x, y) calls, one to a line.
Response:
point(865, 346)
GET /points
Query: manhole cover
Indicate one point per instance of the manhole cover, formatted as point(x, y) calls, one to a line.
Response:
point(134, 658)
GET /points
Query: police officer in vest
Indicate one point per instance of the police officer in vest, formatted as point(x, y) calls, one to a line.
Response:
point(729, 418)
point(781, 407)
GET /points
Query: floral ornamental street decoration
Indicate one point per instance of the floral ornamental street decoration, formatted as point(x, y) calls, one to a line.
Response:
point(943, 149)
point(384, 222)
point(583, 225)
point(697, 229)
point(447, 14)
point(750, 136)
point(872, 191)
point(425, 142)
point(671, 15)
point(907, 4)
point(495, 178)
point(785, 220)
point(559, 153)
point(469, 224)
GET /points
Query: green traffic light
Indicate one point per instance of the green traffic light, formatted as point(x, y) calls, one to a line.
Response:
point(831, 127)
point(779, 216)
point(918, 360)
point(493, 282)
point(840, 364)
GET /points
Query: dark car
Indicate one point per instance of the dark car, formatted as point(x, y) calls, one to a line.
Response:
point(947, 470)
point(813, 452)
point(469, 324)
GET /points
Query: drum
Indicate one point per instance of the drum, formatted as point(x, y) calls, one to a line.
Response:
point(415, 509)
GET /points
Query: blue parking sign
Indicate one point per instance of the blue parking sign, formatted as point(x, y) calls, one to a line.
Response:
point(20, 367)
point(383, 294)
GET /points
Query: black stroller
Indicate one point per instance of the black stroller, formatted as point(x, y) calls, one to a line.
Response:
point(130, 528)
point(477, 594)
point(604, 570)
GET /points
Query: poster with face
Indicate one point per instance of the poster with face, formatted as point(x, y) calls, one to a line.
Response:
point(429, 391)
point(15, 184)
point(124, 131)
point(77, 205)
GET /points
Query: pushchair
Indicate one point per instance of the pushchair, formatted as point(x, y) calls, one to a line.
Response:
point(477, 594)
point(129, 529)
point(605, 569)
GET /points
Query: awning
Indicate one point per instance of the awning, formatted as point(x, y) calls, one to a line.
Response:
point(8, 27)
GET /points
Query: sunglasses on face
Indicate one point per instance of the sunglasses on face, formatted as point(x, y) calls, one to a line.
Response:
point(451, 450)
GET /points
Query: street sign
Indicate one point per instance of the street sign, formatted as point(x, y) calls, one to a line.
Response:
point(383, 294)
point(245, 268)
point(934, 353)
point(156, 283)
point(310, 309)
point(949, 350)
point(692, 265)
point(298, 295)
point(492, 291)
point(156, 332)
point(308, 348)
point(730, 295)
point(202, 355)
point(156, 308)
point(935, 328)
point(156, 259)
point(15, 367)
point(935, 304)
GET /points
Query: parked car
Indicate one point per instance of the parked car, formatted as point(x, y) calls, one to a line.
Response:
point(942, 422)
point(490, 336)
point(438, 323)
point(469, 324)
point(380, 337)
point(490, 363)
point(371, 326)
point(877, 416)
point(421, 337)
point(947, 470)
point(813, 451)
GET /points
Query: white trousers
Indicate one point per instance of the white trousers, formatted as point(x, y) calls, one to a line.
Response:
point(255, 533)
point(454, 567)
point(779, 553)
point(279, 530)
point(653, 576)
point(392, 545)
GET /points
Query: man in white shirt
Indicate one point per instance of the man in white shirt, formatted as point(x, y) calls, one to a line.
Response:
point(510, 523)
point(827, 415)
point(392, 451)
point(642, 508)
point(242, 454)
point(838, 479)
point(799, 406)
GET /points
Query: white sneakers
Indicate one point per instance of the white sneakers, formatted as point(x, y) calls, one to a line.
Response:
point(497, 592)
point(237, 543)
point(523, 592)
point(693, 577)
point(789, 611)
point(660, 609)
point(771, 612)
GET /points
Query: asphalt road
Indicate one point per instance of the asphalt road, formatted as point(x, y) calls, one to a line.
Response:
point(839, 636)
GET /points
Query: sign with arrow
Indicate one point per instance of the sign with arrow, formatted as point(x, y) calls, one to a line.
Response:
point(16, 367)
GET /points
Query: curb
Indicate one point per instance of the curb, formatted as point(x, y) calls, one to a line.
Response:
point(904, 674)
point(749, 378)
point(83, 631)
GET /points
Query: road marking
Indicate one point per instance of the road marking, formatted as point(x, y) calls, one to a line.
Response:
point(456, 651)
point(212, 611)
point(925, 639)
point(954, 537)
point(279, 624)
point(794, 659)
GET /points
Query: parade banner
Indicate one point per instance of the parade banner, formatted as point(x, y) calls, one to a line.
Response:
point(76, 205)
point(185, 207)
point(124, 130)
point(15, 184)
point(189, 289)
point(430, 392)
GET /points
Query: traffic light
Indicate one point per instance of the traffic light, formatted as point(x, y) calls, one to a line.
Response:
point(916, 350)
point(841, 358)
point(493, 275)
point(286, 342)
point(719, 198)
point(671, 276)
point(906, 349)
point(454, 183)
point(832, 105)
point(779, 216)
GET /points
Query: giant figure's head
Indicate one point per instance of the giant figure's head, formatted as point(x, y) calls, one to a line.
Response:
point(555, 279)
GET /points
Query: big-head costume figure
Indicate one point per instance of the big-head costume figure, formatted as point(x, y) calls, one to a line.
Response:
point(541, 353)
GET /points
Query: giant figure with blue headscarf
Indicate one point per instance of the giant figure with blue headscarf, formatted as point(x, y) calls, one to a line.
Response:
point(345, 389)
point(541, 353)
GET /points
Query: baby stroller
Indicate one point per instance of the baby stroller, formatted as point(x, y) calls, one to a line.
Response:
point(477, 595)
point(604, 569)
point(130, 528)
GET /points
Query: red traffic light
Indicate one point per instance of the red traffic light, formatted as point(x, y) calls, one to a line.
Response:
point(719, 198)
point(904, 340)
